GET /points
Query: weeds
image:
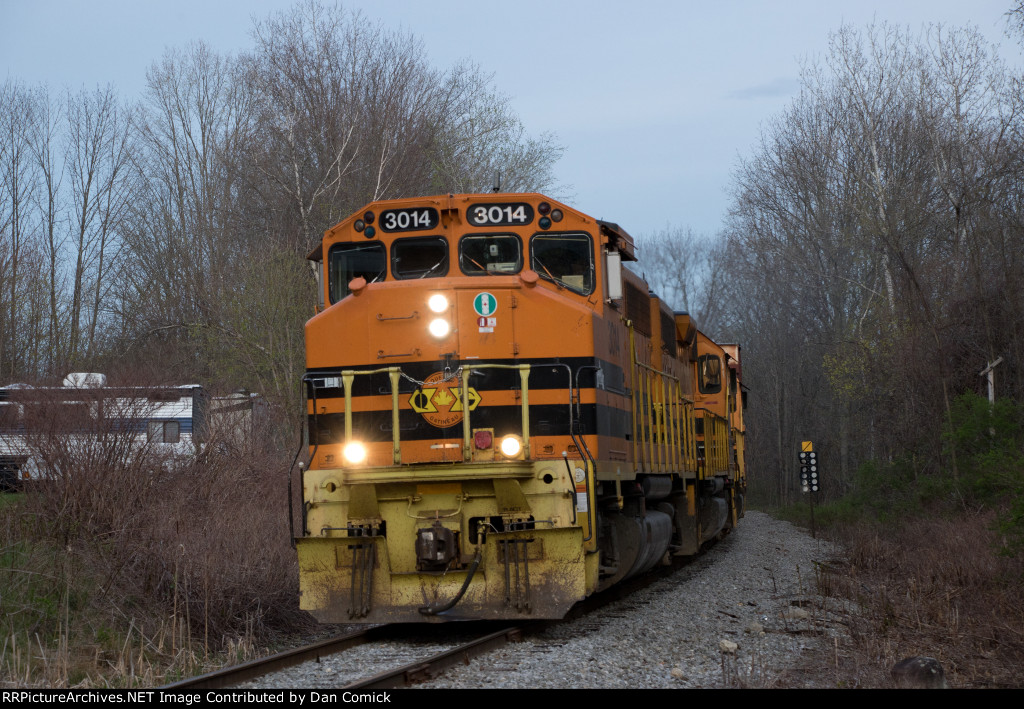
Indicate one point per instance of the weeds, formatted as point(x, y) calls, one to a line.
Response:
point(928, 586)
point(934, 565)
point(117, 569)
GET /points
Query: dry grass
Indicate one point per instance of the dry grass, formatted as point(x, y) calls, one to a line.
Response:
point(120, 570)
point(936, 587)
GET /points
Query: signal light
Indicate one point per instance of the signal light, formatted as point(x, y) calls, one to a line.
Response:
point(359, 225)
point(543, 208)
point(369, 217)
point(544, 223)
point(808, 471)
point(370, 232)
point(556, 215)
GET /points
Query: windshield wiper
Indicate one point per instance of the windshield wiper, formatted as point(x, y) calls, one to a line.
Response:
point(557, 281)
point(433, 268)
point(477, 264)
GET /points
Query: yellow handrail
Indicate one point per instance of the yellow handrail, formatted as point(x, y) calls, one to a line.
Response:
point(740, 446)
point(524, 375)
point(348, 377)
point(716, 443)
point(663, 420)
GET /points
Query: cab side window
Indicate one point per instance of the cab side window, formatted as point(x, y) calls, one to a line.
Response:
point(348, 261)
point(709, 374)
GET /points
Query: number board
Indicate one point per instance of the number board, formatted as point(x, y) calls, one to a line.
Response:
point(507, 214)
point(408, 219)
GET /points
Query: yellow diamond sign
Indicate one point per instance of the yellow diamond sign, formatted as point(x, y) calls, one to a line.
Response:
point(439, 401)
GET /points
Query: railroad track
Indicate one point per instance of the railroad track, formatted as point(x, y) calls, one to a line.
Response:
point(485, 636)
point(416, 671)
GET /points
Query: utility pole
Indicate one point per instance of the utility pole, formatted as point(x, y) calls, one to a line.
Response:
point(990, 374)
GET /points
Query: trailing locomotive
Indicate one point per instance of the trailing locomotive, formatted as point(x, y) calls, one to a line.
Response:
point(502, 419)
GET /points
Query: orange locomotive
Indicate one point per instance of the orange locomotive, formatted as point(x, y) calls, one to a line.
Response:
point(502, 419)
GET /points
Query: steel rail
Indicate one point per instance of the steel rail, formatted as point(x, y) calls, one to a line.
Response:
point(420, 670)
point(231, 676)
point(423, 670)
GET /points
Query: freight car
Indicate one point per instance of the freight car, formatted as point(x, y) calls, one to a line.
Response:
point(502, 418)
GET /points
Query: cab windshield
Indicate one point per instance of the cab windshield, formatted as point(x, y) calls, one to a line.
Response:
point(481, 254)
point(419, 257)
point(564, 259)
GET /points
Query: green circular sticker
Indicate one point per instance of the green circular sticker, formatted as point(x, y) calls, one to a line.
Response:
point(485, 304)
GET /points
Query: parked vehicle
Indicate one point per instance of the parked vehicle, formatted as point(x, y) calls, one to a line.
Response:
point(165, 422)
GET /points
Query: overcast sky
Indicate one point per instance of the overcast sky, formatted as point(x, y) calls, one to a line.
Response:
point(654, 100)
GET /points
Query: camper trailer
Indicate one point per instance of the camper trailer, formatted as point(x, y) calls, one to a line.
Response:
point(167, 422)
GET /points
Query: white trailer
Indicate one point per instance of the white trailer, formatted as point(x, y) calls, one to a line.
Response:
point(168, 422)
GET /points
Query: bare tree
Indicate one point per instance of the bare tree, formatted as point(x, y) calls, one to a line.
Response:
point(173, 236)
point(480, 137)
point(19, 181)
point(52, 161)
point(308, 63)
point(352, 113)
point(1015, 19)
point(194, 126)
point(99, 146)
point(877, 210)
point(683, 268)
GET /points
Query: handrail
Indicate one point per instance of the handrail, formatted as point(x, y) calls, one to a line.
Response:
point(740, 449)
point(664, 436)
point(348, 379)
point(716, 442)
point(394, 373)
point(632, 395)
point(524, 375)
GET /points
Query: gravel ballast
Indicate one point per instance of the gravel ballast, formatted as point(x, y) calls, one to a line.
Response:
point(744, 614)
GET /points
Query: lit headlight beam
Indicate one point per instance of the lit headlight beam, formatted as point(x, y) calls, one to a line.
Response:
point(439, 328)
point(355, 452)
point(437, 303)
point(511, 446)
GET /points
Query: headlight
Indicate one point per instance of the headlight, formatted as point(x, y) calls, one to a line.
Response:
point(439, 328)
point(437, 303)
point(355, 452)
point(511, 446)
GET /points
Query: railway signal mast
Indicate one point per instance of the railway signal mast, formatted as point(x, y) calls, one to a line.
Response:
point(809, 474)
point(808, 468)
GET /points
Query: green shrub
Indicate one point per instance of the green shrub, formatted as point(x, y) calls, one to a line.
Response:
point(988, 440)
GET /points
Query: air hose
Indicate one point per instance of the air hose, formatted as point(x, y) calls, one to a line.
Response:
point(437, 610)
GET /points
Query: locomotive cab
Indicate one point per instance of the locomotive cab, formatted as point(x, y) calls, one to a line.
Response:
point(501, 420)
